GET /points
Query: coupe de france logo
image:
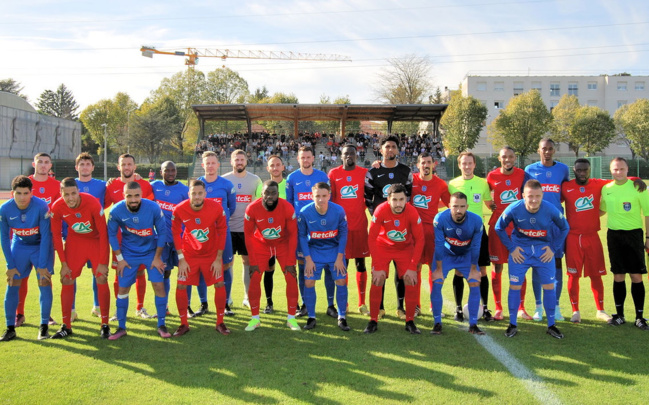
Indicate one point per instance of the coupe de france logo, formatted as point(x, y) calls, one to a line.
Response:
point(627, 206)
point(349, 192)
point(421, 201)
point(477, 197)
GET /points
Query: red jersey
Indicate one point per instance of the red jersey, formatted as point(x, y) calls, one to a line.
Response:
point(582, 204)
point(115, 191)
point(348, 191)
point(87, 221)
point(272, 228)
point(507, 189)
point(48, 190)
point(426, 196)
point(396, 232)
point(205, 230)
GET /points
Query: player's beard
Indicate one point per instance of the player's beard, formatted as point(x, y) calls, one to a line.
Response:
point(240, 169)
point(391, 157)
point(459, 219)
point(198, 206)
point(136, 209)
point(426, 171)
point(269, 207)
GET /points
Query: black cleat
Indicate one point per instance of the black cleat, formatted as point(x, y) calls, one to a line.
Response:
point(437, 329)
point(511, 331)
point(487, 316)
point(302, 311)
point(332, 312)
point(63, 332)
point(372, 327)
point(310, 324)
point(342, 324)
point(459, 316)
point(42, 332)
point(104, 331)
point(412, 328)
point(269, 309)
point(190, 312)
point(228, 311)
point(474, 330)
point(554, 332)
point(616, 320)
point(10, 334)
point(202, 311)
point(641, 323)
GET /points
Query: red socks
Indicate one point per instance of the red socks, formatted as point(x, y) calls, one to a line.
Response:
point(361, 282)
point(182, 302)
point(291, 293)
point(254, 293)
point(219, 302)
point(496, 286)
point(376, 294)
point(67, 298)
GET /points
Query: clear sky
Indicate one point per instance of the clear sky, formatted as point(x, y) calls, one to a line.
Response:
point(93, 47)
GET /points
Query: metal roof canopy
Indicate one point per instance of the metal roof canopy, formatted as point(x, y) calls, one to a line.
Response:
point(319, 112)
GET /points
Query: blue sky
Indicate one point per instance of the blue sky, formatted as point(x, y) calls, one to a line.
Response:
point(93, 47)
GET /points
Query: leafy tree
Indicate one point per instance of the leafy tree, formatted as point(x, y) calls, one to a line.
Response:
point(619, 127)
point(59, 103)
point(258, 96)
point(12, 86)
point(225, 86)
point(593, 130)
point(563, 119)
point(332, 127)
point(279, 126)
point(635, 123)
point(521, 124)
point(152, 129)
point(115, 114)
point(462, 122)
point(406, 81)
point(437, 97)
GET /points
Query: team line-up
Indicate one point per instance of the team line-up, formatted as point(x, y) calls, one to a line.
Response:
point(320, 222)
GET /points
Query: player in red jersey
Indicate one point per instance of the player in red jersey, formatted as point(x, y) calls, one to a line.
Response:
point(203, 239)
point(87, 241)
point(114, 194)
point(395, 234)
point(506, 183)
point(348, 190)
point(270, 229)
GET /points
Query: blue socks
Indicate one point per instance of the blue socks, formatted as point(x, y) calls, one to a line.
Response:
point(514, 301)
point(558, 283)
point(536, 287)
point(330, 286)
point(161, 306)
point(549, 304)
point(437, 301)
point(122, 309)
point(46, 304)
point(300, 279)
point(341, 299)
point(11, 304)
point(474, 303)
point(309, 298)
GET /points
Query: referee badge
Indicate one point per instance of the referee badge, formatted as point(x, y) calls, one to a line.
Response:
point(270, 220)
point(391, 175)
point(627, 206)
point(136, 220)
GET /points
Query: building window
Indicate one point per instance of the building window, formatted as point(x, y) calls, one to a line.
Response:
point(620, 103)
point(592, 85)
point(499, 86)
point(537, 86)
point(555, 90)
point(553, 103)
point(481, 86)
point(592, 103)
point(498, 105)
point(518, 88)
point(639, 86)
point(621, 86)
point(573, 89)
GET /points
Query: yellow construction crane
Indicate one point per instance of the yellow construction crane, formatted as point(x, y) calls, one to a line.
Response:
point(194, 54)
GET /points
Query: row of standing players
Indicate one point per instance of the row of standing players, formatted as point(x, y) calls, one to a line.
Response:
point(350, 184)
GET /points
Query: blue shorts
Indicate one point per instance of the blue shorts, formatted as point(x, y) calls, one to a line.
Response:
point(545, 272)
point(319, 267)
point(26, 257)
point(459, 263)
point(169, 256)
point(129, 275)
point(228, 256)
point(555, 232)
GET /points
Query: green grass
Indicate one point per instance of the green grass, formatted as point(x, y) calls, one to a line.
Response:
point(593, 364)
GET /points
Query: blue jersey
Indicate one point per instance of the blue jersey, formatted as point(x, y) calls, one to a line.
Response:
point(322, 237)
point(550, 178)
point(453, 239)
point(298, 187)
point(167, 198)
point(142, 231)
point(222, 191)
point(532, 229)
point(29, 227)
point(94, 187)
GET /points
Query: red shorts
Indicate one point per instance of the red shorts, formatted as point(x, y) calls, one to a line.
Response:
point(259, 255)
point(357, 246)
point(429, 245)
point(402, 260)
point(78, 252)
point(585, 252)
point(498, 253)
point(197, 267)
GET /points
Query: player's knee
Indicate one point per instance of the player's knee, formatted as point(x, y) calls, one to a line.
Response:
point(515, 287)
point(122, 296)
point(474, 283)
point(219, 284)
point(245, 260)
point(181, 287)
point(102, 279)
point(159, 289)
point(548, 286)
point(309, 283)
point(341, 282)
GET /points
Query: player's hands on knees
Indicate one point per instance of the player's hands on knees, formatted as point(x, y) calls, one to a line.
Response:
point(410, 277)
point(159, 265)
point(378, 277)
point(474, 273)
point(548, 255)
point(253, 269)
point(339, 266)
point(121, 265)
point(11, 273)
point(46, 277)
point(309, 266)
point(437, 274)
point(101, 274)
point(183, 269)
point(65, 271)
point(217, 268)
point(290, 270)
point(517, 255)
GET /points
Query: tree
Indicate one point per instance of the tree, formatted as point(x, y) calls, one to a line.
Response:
point(592, 131)
point(406, 81)
point(619, 127)
point(635, 123)
point(115, 114)
point(279, 126)
point(258, 96)
point(462, 122)
point(152, 129)
point(521, 124)
point(563, 119)
point(437, 97)
point(59, 103)
point(12, 86)
point(225, 86)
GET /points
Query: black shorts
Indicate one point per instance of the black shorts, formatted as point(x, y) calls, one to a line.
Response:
point(626, 251)
point(238, 244)
point(483, 259)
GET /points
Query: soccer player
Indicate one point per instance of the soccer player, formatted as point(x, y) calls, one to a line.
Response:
point(532, 244)
point(168, 193)
point(245, 188)
point(506, 183)
point(298, 194)
point(26, 241)
point(458, 235)
point(395, 234)
point(477, 190)
point(270, 228)
point(427, 192)
point(144, 232)
point(377, 182)
point(625, 208)
point(222, 191)
point(322, 229)
point(114, 194)
point(86, 242)
point(551, 174)
point(200, 251)
point(348, 190)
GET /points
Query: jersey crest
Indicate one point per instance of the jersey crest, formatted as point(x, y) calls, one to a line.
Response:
point(201, 234)
point(509, 196)
point(397, 236)
point(584, 203)
point(421, 201)
point(349, 192)
point(82, 227)
point(272, 233)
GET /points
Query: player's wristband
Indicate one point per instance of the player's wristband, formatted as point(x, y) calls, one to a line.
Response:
point(181, 256)
point(119, 258)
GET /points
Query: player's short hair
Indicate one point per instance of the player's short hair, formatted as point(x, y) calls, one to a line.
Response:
point(274, 157)
point(196, 183)
point(133, 185)
point(349, 145)
point(466, 153)
point(270, 183)
point(619, 159)
point(459, 195)
point(166, 163)
point(209, 153)
point(84, 156)
point(306, 149)
point(321, 185)
point(546, 139)
point(396, 188)
point(68, 182)
point(237, 152)
point(390, 138)
point(582, 160)
point(42, 154)
point(508, 148)
point(125, 156)
point(533, 184)
point(424, 155)
point(22, 182)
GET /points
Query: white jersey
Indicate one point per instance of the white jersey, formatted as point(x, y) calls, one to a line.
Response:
point(245, 188)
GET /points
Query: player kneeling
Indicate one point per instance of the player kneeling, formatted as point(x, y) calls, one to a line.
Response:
point(203, 240)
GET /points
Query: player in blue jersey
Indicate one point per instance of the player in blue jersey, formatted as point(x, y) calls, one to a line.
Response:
point(532, 244)
point(322, 229)
point(168, 193)
point(144, 234)
point(222, 191)
point(458, 236)
point(299, 194)
point(26, 241)
point(551, 174)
